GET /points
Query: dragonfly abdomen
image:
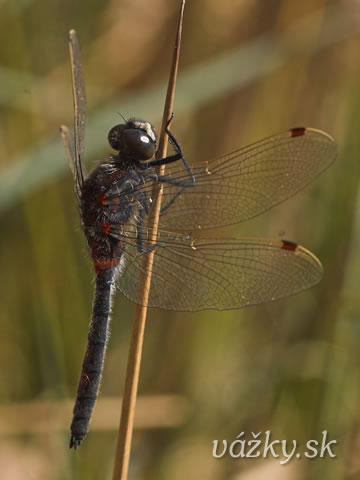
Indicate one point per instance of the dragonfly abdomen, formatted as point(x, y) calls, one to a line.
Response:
point(94, 356)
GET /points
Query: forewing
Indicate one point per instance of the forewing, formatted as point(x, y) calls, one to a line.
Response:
point(80, 108)
point(247, 182)
point(219, 274)
point(68, 142)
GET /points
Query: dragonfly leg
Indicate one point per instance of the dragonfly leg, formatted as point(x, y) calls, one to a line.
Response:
point(178, 149)
point(170, 202)
point(173, 181)
point(179, 155)
point(140, 239)
point(168, 179)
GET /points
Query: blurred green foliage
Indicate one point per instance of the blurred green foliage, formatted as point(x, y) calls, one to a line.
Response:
point(248, 69)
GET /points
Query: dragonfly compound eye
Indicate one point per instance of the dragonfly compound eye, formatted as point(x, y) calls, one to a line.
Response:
point(138, 142)
point(115, 137)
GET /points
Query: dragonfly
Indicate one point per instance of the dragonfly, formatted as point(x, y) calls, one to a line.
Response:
point(190, 272)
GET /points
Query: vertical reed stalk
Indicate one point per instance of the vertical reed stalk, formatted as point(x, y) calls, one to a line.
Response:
point(122, 455)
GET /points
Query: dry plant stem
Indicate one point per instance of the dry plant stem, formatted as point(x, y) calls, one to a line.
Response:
point(122, 455)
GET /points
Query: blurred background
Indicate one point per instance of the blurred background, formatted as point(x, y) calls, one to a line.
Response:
point(249, 68)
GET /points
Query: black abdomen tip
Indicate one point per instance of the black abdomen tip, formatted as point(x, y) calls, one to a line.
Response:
point(75, 441)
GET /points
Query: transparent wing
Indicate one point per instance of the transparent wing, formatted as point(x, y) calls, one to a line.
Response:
point(80, 108)
point(68, 142)
point(247, 182)
point(190, 275)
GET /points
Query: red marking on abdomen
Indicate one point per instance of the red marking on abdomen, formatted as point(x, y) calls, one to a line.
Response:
point(297, 131)
point(104, 263)
point(287, 245)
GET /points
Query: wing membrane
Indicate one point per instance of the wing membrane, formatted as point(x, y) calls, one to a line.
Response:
point(68, 142)
point(80, 109)
point(191, 275)
point(247, 182)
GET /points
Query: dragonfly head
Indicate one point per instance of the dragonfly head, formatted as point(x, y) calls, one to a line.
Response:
point(135, 138)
